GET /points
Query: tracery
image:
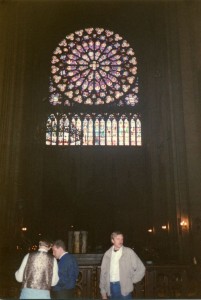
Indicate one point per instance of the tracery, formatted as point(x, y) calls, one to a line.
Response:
point(94, 70)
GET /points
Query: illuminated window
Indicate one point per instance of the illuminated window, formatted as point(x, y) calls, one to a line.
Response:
point(101, 129)
point(94, 72)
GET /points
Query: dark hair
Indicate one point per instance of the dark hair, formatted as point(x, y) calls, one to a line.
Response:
point(59, 243)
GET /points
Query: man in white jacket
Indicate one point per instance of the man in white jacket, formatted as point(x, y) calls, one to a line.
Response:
point(120, 269)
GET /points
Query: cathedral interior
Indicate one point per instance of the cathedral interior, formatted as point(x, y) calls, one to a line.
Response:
point(149, 189)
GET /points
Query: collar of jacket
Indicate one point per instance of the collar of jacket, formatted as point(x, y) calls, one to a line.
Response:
point(109, 252)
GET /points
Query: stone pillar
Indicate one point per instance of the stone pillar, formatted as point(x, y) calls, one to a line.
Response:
point(70, 241)
point(76, 241)
point(84, 235)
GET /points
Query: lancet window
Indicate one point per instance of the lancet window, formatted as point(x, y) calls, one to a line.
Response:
point(93, 129)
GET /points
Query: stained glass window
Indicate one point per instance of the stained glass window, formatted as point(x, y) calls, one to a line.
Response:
point(93, 71)
point(93, 66)
point(102, 129)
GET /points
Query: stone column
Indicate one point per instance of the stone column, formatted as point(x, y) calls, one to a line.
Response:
point(70, 241)
point(76, 241)
point(84, 235)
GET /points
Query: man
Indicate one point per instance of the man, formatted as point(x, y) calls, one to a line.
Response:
point(120, 269)
point(38, 272)
point(68, 272)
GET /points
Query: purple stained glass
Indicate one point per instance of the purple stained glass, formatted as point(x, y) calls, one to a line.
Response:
point(93, 66)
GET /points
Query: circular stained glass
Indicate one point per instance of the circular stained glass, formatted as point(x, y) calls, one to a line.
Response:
point(93, 66)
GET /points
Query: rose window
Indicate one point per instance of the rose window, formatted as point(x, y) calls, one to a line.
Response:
point(94, 66)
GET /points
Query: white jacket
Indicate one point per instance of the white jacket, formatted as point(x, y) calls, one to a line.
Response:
point(131, 270)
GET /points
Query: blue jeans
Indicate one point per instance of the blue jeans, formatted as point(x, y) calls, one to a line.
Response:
point(27, 293)
point(115, 290)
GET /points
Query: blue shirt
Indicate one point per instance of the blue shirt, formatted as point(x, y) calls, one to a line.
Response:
point(68, 273)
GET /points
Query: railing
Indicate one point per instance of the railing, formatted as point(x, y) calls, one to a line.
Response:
point(159, 282)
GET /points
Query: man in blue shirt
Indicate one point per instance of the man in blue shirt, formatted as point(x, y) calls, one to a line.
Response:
point(68, 271)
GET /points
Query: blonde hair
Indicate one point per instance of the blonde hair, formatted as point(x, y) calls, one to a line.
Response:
point(45, 243)
point(115, 233)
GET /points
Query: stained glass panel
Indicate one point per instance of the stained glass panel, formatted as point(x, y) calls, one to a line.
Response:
point(121, 132)
point(133, 137)
point(51, 128)
point(102, 132)
point(97, 132)
point(109, 133)
point(90, 132)
point(101, 129)
point(85, 132)
point(126, 132)
point(139, 138)
point(63, 135)
point(114, 132)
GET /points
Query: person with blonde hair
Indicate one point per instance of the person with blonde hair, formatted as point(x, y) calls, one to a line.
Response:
point(38, 272)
